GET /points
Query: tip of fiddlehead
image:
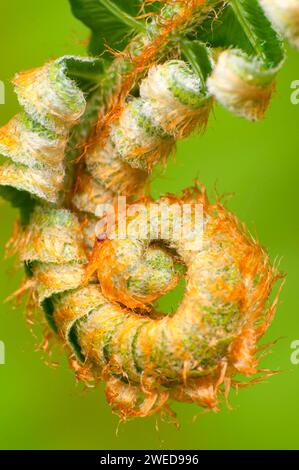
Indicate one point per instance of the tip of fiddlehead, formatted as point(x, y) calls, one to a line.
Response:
point(141, 273)
point(47, 90)
point(242, 84)
point(178, 97)
point(285, 16)
point(34, 142)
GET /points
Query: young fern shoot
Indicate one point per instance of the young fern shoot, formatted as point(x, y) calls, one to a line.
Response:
point(122, 113)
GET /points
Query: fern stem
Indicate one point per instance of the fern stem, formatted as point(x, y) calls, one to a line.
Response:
point(123, 16)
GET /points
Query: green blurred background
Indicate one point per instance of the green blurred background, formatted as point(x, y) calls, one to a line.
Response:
point(43, 408)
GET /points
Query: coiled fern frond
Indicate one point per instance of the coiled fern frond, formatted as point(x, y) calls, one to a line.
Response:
point(156, 70)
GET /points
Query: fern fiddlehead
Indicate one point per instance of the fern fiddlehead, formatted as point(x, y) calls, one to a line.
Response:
point(35, 140)
point(147, 359)
point(243, 82)
point(99, 295)
point(284, 15)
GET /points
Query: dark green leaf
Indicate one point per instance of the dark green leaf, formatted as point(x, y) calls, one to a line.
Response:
point(243, 25)
point(86, 71)
point(109, 27)
point(264, 39)
point(48, 308)
point(19, 199)
point(224, 30)
point(196, 53)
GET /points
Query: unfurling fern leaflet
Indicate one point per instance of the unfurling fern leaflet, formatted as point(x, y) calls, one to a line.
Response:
point(123, 116)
